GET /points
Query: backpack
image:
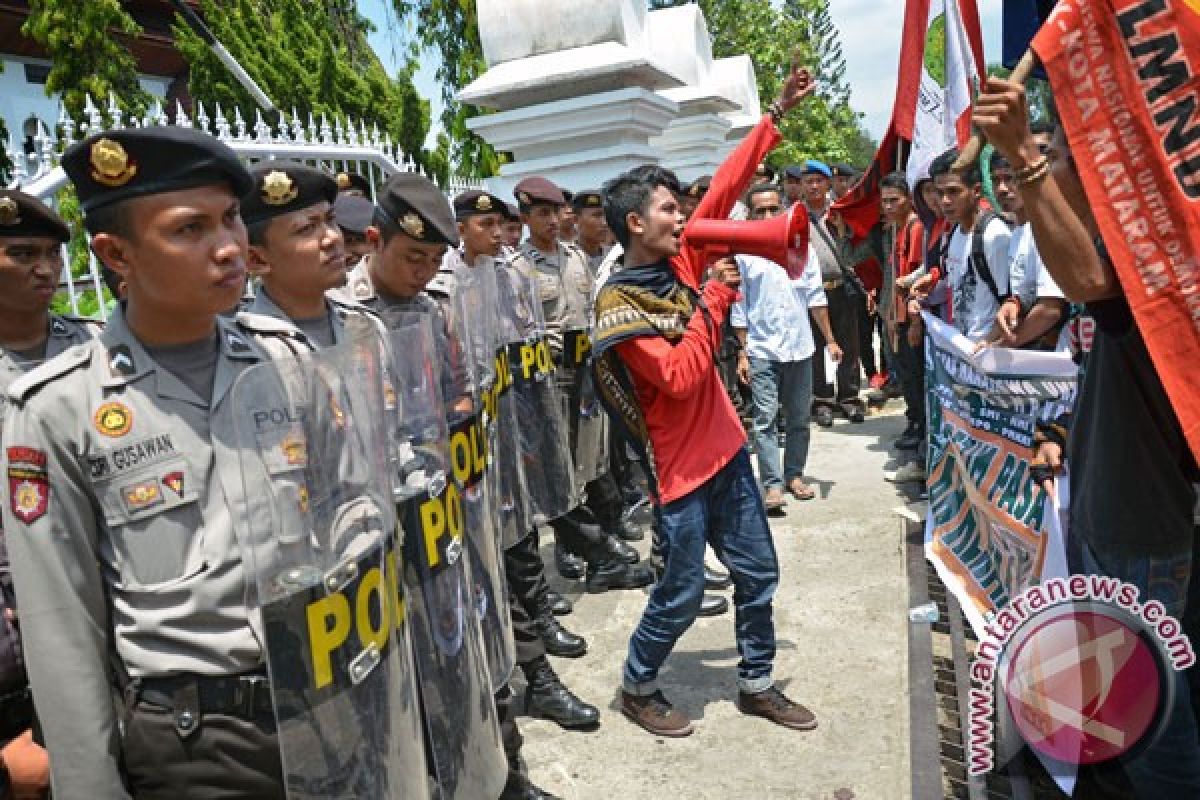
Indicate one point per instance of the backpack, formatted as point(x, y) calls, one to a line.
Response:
point(978, 260)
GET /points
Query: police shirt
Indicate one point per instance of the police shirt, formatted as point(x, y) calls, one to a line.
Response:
point(64, 332)
point(123, 495)
point(564, 283)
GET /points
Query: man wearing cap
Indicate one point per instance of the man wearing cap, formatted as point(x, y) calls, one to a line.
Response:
point(352, 184)
point(31, 242)
point(568, 228)
point(693, 193)
point(123, 491)
point(793, 184)
point(843, 289)
point(354, 215)
point(593, 230)
point(564, 284)
point(844, 176)
point(511, 229)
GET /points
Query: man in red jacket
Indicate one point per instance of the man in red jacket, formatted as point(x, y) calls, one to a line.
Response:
point(655, 342)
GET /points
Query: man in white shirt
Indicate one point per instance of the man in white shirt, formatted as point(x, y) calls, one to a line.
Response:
point(978, 282)
point(772, 323)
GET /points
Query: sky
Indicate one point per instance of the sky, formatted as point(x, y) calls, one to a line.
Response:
point(869, 29)
point(870, 33)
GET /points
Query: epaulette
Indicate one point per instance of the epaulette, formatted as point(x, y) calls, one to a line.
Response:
point(263, 324)
point(69, 360)
point(58, 324)
point(351, 307)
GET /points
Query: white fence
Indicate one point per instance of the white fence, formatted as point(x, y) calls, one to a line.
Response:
point(341, 146)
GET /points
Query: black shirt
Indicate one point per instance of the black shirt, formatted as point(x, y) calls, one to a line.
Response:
point(1132, 472)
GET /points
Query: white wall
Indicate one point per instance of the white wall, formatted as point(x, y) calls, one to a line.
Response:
point(19, 99)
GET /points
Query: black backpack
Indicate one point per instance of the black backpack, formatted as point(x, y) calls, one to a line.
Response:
point(978, 261)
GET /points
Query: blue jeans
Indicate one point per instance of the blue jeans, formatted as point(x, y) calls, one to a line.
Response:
point(786, 383)
point(1170, 767)
point(728, 513)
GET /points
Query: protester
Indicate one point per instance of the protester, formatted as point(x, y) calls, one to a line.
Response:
point(907, 257)
point(1124, 432)
point(772, 323)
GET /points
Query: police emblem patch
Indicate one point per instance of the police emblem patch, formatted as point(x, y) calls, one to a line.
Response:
point(28, 483)
point(278, 188)
point(113, 419)
point(484, 203)
point(412, 225)
point(174, 482)
point(111, 165)
point(343, 181)
point(141, 495)
point(9, 213)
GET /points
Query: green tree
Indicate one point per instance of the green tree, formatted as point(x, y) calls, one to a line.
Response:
point(85, 40)
point(309, 56)
point(450, 29)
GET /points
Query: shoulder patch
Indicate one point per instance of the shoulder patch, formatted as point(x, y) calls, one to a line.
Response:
point(251, 322)
point(49, 371)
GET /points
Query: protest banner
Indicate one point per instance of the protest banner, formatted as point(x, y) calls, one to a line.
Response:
point(991, 531)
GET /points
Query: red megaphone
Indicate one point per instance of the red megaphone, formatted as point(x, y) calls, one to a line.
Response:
point(782, 239)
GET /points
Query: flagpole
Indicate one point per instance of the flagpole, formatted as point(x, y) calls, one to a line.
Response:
point(1020, 74)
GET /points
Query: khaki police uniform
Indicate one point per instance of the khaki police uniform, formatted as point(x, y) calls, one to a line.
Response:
point(565, 283)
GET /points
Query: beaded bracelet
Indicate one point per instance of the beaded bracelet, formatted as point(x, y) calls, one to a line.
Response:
point(1034, 172)
point(776, 112)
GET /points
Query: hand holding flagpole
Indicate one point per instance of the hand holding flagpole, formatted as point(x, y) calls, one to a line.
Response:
point(973, 147)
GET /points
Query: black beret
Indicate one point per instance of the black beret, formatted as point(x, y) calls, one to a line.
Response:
point(535, 190)
point(843, 170)
point(351, 181)
point(511, 213)
point(794, 171)
point(416, 206)
point(698, 187)
point(588, 198)
point(474, 203)
point(24, 215)
point(354, 213)
point(281, 187)
point(133, 162)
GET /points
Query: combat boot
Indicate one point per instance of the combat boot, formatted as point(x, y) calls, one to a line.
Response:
point(611, 572)
point(622, 551)
point(557, 640)
point(569, 566)
point(547, 698)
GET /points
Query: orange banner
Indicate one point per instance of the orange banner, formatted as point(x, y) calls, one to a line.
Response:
point(1124, 75)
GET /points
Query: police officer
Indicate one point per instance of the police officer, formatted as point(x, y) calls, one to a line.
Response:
point(351, 184)
point(31, 242)
point(564, 284)
point(512, 228)
point(593, 237)
point(354, 215)
point(122, 493)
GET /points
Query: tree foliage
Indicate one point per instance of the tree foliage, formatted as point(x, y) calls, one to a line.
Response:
point(824, 126)
point(85, 41)
point(450, 28)
point(309, 56)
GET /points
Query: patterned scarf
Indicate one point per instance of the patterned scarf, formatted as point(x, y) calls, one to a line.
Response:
point(637, 301)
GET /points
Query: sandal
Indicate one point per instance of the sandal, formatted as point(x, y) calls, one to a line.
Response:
point(801, 491)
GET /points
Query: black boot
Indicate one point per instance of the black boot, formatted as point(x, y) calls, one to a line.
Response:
point(556, 604)
point(613, 573)
point(569, 566)
point(547, 698)
point(557, 640)
point(629, 530)
point(622, 551)
point(519, 787)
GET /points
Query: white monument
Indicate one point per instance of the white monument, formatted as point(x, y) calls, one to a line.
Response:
point(583, 92)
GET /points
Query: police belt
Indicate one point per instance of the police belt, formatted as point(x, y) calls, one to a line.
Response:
point(247, 695)
point(16, 714)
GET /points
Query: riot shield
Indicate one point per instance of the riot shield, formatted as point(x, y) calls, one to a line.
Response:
point(319, 540)
point(445, 600)
point(587, 421)
point(473, 434)
point(542, 430)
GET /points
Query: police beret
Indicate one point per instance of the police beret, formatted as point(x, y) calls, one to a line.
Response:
point(24, 215)
point(793, 171)
point(353, 213)
point(698, 187)
point(416, 206)
point(532, 191)
point(352, 181)
point(133, 162)
point(474, 203)
point(588, 198)
point(281, 187)
point(843, 170)
point(814, 167)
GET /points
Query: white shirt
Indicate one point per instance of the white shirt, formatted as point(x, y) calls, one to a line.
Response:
point(774, 308)
point(974, 305)
point(1027, 273)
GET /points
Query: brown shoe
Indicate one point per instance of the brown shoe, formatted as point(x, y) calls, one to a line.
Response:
point(774, 500)
point(656, 715)
point(774, 705)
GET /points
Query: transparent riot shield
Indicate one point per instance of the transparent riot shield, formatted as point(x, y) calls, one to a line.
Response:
point(319, 540)
point(586, 419)
point(539, 406)
point(435, 516)
point(473, 433)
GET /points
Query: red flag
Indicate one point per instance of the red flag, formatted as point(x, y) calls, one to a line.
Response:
point(1124, 75)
